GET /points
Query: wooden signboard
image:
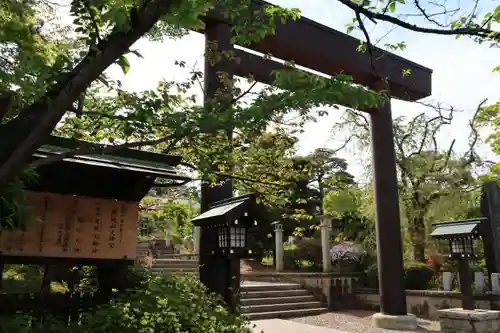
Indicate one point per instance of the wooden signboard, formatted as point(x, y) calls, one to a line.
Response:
point(75, 227)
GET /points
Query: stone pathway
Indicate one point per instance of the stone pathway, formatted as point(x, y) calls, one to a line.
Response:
point(280, 326)
point(355, 321)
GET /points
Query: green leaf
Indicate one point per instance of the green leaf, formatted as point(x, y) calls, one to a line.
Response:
point(124, 64)
point(392, 7)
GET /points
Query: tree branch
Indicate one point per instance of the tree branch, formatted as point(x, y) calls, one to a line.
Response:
point(477, 31)
point(368, 42)
point(37, 121)
point(233, 176)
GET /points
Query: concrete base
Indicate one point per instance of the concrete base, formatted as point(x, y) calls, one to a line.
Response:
point(469, 321)
point(402, 323)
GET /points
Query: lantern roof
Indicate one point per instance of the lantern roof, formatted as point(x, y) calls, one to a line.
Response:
point(225, 211)
point(457, 229)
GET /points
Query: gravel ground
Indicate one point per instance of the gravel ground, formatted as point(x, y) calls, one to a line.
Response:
point(358, 321)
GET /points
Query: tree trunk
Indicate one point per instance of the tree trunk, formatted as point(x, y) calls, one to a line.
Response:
point(418, 237)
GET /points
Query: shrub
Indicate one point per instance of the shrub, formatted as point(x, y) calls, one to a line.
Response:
point(290, 256)
point(155, 303)
point(304, 254)
point(418, 276)
point(371, 273)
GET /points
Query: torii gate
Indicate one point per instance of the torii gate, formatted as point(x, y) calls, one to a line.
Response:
point(303, 42)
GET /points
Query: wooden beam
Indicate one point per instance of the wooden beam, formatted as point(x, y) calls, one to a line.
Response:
point(318, 47)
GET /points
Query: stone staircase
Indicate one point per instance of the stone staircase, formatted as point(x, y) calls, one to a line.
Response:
point(258, 300)
point(176, 263)
point(266, 300)
point(166, 261)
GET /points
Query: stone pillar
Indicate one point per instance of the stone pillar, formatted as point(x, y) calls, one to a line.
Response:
point(479, 283)
point(278, 229)
point(393, 312)
point(325, 226)
point(495, 283)
point(447, 281)
point(168, 233)
point(196, 239)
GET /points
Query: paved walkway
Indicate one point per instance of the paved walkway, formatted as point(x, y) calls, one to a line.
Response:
point(359, 321)
point(281, 326)
point(354, 321)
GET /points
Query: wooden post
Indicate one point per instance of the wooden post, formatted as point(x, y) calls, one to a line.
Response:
point(465, 284)
point(387, 218)
point(220, 274)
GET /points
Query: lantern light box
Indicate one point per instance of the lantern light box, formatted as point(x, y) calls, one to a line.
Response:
point(232, 223)
point(460, 236)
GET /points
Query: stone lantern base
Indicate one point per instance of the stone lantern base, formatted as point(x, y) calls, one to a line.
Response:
point(469, 321)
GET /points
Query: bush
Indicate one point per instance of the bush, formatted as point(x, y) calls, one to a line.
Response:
point(371, 273)
point(418, 276)
point(305, 254)
point(166, 304)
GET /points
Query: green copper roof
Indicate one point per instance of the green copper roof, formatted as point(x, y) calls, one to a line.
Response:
point(132, 160)
point(457, 229)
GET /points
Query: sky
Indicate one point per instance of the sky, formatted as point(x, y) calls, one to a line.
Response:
point(462, 74)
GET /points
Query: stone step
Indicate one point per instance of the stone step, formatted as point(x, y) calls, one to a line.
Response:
point(248, 287)
point(277, 300)
point(175, 264)
point(176, 267)
point(187, 269)
point(280, 307)
point(286, 314)
point(273, 293)
point(174, 260)
point(174, 271)
point(185, 256)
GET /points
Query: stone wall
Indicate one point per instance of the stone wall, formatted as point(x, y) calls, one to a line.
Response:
point(334, 289)
point(469, 321)
point(426, 303)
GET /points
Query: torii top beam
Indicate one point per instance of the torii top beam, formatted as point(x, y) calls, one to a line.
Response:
point(320, 48)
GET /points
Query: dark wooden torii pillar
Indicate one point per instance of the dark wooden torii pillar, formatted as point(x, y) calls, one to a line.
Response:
point(220, 275)
point(387, 217)
point(302, 41)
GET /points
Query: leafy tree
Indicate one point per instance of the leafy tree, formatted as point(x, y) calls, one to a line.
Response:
point(351, 209)
point(327, 172)
point(489, 118)
point(292, 186)
point(156, 211)
point(426, 171)
point(67, 87)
